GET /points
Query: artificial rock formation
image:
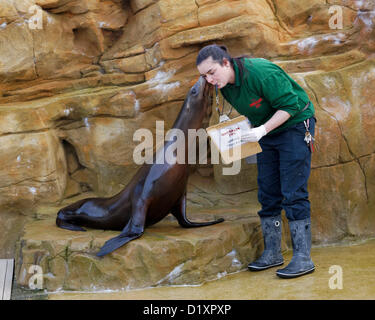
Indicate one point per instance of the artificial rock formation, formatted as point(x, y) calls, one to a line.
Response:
point(78, 78)
point(167, 255)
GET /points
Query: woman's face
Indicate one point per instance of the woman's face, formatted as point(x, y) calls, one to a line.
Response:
point(215, 73)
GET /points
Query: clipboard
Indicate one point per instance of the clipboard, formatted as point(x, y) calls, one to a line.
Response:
point(228, 138)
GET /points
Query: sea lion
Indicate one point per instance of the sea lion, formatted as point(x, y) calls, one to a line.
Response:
point(155, 190)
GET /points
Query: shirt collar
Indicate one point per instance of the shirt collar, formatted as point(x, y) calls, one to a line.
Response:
point(237, 81)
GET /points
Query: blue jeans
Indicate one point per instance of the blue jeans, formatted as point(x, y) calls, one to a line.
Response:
point(283, 172)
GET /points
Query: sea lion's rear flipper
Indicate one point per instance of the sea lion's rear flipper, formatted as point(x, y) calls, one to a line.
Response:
point(133, 229)
point(179, 211)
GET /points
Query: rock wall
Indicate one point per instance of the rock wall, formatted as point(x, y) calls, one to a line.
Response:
point(78, 77)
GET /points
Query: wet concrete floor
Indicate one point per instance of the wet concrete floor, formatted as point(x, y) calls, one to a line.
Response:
point(342, 272)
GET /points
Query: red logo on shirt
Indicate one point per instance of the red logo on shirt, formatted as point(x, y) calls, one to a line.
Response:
point(256, 103)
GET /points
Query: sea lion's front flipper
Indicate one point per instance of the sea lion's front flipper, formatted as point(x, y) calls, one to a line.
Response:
point(117, 242)
point(179, 211)
point(133, 229)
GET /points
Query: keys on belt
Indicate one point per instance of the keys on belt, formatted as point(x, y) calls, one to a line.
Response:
point(309, 139)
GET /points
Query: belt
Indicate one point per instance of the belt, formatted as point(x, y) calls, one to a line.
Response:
point(305, 107)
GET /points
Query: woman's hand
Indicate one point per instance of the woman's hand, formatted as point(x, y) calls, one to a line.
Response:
point(255, 134)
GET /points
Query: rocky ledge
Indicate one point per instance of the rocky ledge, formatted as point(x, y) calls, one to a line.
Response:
point(165, 255)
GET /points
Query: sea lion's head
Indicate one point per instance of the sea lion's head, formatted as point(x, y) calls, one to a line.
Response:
point(199, 99)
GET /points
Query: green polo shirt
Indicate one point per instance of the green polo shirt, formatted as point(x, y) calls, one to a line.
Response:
point(266, 88)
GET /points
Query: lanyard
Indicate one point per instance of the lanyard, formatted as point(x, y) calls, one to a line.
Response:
point(221, 112)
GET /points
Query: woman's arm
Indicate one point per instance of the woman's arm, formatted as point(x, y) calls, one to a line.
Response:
point(276, 120)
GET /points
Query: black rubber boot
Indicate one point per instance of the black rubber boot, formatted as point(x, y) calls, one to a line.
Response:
point(301, 262)
point(271, 256)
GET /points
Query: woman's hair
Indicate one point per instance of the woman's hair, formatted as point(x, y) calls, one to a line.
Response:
point(218, 53)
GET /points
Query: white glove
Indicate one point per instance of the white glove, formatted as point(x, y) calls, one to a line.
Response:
point(255, 134)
